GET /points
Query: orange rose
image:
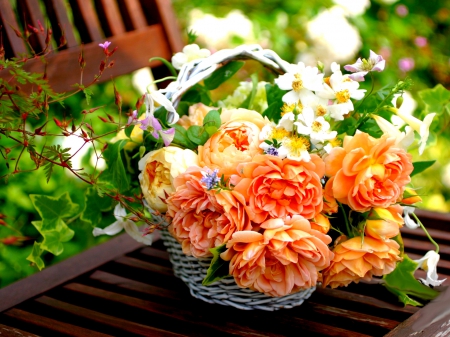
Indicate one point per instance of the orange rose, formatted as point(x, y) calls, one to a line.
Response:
point(196, 115)
point(278, 188)
point(368, 172)
point(236, 141)
point(195, 214)
point(355, 259)
point(284, 259)
point(384, 223)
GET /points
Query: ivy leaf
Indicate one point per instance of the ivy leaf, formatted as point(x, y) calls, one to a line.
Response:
point(212, 122)
point(198, 93)
point(218, 269)
point(181, 137)
point(94, 205)
point(435, 99)
point(402, 283)
point(274, 95)
point(197, 134)
point(347, 126)
point(116, 173)
point(420, 166)
point(222, 74)
point(35, 256)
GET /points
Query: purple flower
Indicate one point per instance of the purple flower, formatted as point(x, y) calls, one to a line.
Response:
point(363, 66)
point(406, 64)
point(152, 125)
point(133, 119)
point(421, 41)
point(210, 179)
point(402, 10)
point(167, 136)
point(105, 45)
point(272, 151)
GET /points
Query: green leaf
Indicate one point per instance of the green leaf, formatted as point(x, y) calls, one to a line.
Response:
point(116, 173)
point(181, 138)
point(435, 99)
point(197, 94)
point(402, 283)
point(94, 205)
point(347, 126)
point(212, 122)
point(222, 74)
point(197, 134)
point(88, 94)
point(248, 103)
point(35, 256)
point(274, 95)
point(129, 130)
point(371, 127)
point(218, 269)
point(420, 166)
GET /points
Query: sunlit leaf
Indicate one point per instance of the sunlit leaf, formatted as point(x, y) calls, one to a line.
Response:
point(222, 74)
point(420, 166)
point(218, 268)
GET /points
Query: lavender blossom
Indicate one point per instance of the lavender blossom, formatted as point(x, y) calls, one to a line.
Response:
point(210, 179)
point(273, 151)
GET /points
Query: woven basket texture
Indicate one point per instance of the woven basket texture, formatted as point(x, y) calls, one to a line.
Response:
point(225, 292)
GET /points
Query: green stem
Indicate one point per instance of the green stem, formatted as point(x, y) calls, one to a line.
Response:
point(370, 92)
point(347, 224)
point(426, 232)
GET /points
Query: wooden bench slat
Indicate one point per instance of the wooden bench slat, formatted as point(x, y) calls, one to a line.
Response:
point(86, 21)
point(134, 10)
point(110, 18)
point(33, 10)
point(116, 322)
point(169, 22)
point(6, 331)
point(51, 324)
point(57, 13)
point(9, 20)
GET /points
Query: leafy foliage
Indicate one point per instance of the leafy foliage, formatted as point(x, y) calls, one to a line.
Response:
point(218, 268)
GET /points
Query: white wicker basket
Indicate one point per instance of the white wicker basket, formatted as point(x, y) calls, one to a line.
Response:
point(193, 270)
point(225, 292)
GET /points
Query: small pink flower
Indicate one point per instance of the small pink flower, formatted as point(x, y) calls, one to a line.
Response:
point(406, 64)
point(402, 10)
point(105, 45)
point(421, 41)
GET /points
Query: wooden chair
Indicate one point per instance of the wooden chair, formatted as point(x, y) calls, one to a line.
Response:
point(140, 29)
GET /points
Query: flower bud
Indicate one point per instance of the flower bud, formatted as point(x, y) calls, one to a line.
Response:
point(399, 102)
point(410, 197)
point(321, 223)
point(384, 223)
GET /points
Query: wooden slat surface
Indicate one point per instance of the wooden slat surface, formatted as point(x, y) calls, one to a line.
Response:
point(9, 22)
point(136, 294)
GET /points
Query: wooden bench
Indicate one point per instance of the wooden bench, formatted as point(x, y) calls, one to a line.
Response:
point(140, 29)
point(123, 288)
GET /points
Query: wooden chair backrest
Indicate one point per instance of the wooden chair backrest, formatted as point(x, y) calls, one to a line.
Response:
point(141, 29)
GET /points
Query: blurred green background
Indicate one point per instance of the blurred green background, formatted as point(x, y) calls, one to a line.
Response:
point(413, 36)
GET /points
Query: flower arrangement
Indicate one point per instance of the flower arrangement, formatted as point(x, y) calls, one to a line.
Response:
point(281, 185)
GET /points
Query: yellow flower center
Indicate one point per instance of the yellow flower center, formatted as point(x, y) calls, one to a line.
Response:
point(297, 84)
point(279, 134)
point(343, 96)
point(316, 126)
point(321, 111)
point(297, 144)
point(335, 142)
point(287, 108)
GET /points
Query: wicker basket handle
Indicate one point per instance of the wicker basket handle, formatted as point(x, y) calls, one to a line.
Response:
point(195, 71)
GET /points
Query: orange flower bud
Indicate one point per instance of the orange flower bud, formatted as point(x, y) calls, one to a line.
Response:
point(384, 223)
point(321, 223)
point(410, 197)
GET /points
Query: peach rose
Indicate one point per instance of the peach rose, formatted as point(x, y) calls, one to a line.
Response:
point(278, 188)
point(384, 223)
point(355, 259)
point(284, 259)
point(159, 168)
point(236, 141)
point(368, 172)
point(196, 215)
point(197, 113)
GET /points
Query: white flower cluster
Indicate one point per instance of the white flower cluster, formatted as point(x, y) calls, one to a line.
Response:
point(311, 103)
point(241, 93)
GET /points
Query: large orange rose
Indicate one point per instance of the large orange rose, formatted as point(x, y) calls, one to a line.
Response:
point(236, 141)
point(284, 259)
point(278, 188)
point(357, 259)
point(195, 214)
point(368, 172)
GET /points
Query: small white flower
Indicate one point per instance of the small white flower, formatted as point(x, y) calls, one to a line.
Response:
point(362, 67)
point(318, 129)
point(429, 264)
point(300, 80)
point(340, 89)
point(122, 223)
point(190, 52)
point(287, 121)
point(410, 223)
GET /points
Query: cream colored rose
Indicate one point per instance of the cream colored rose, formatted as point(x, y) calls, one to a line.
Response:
point(159, 168)
point(236, 141)
point(197, 113)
